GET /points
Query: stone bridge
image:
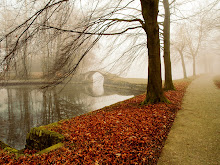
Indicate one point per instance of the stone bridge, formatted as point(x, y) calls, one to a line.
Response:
point(97, 80)
point(95, 77)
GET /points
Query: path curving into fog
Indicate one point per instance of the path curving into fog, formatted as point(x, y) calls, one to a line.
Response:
point(194, 138)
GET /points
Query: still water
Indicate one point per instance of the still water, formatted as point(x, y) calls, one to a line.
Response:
point(24, 107)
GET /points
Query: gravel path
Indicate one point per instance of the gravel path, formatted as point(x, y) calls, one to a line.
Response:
point(194, 138)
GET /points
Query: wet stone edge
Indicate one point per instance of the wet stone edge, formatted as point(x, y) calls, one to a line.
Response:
point(40, 139)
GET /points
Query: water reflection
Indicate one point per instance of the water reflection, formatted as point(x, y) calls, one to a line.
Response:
point(22, 108)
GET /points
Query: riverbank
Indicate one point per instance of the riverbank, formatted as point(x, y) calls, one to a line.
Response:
point(25, 82)
point(125, 132)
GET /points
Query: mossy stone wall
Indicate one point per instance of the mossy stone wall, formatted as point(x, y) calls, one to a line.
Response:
point(3, 145)
point(39, 138)
point(6, 147)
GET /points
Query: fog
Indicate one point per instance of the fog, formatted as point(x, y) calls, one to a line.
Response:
point(124, 54)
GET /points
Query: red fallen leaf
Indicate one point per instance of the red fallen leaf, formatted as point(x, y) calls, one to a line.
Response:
point(124, 133)
point(118, 154)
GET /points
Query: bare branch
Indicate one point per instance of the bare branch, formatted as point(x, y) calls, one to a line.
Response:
point(125, 20)
point(33, 16)
point(91, 33)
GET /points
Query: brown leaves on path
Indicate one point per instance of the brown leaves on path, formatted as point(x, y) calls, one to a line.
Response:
point(124, 133)
point(217, 81)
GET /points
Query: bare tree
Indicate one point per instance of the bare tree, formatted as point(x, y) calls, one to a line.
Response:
point(166, 36)
point(179, 44)
point(193, 31)
point(196, 35)
point(97, 24)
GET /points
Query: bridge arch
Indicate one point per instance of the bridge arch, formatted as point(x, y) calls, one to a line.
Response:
point(96, 81)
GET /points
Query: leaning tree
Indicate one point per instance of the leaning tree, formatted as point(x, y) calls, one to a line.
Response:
point(99, 20)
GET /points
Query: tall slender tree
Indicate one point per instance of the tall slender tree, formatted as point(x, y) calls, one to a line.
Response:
point(166, 35)
point(195, 37)
point(180, 45)
point(25, 50)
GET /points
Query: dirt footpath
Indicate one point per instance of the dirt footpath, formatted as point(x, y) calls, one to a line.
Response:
point(194, 138)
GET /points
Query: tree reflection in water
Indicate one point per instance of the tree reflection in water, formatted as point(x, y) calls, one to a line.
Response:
point(22, 108)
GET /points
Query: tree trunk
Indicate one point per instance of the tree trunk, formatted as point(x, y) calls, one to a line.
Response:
point(24, 57)
point(24, 62)
point(194, 65)
point(206, 64)
point(7, 61)
point(166, 33)
point(154, 86)
point(56, 104)
point(183, 63)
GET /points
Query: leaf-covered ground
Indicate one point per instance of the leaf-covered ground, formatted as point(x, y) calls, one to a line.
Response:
point(217, 81)
point(124, 133)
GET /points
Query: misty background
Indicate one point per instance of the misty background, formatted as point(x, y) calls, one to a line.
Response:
point(194, 25)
